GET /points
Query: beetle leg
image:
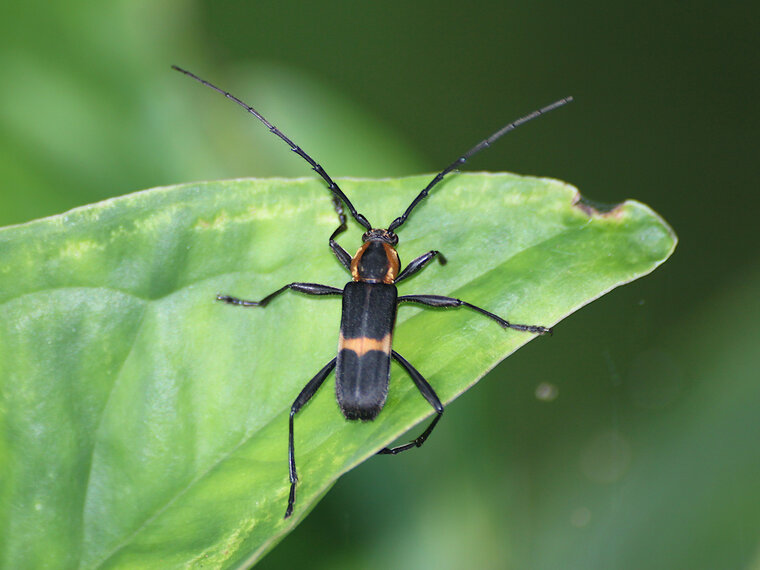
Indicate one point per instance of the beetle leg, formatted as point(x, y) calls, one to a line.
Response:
point(343, 256)
point(306, 394)
point(429, 394)
point(308, 288)
point(438, 301)
point(418, 264)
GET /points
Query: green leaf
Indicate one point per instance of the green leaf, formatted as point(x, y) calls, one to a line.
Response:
point(145, 425)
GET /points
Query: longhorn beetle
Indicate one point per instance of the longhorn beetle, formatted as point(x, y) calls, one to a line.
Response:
point(370, 299)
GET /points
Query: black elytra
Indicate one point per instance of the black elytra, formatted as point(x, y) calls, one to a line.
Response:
point(370, 300)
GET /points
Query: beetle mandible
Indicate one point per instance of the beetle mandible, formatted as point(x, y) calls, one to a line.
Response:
point(370, 300)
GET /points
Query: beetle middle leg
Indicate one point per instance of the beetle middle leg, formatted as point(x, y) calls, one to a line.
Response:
point(429, 394)
point(439, 301)
point(308, 288)
point(301, 400)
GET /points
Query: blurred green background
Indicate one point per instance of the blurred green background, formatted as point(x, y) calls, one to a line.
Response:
point(645, 452)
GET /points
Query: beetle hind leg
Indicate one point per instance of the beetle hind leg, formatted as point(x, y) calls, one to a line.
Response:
point(429, 394)
point(303, 397)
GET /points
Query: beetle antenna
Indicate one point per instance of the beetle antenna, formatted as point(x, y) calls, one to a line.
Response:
point(331, 185)
point(474, 150)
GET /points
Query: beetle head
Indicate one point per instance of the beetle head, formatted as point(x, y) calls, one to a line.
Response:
point(380, 235)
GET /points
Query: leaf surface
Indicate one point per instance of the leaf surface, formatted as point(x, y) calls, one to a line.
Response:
point(143, 424)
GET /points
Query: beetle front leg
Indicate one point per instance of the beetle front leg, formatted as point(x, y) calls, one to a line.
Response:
point(419, 263)
point(343, 256)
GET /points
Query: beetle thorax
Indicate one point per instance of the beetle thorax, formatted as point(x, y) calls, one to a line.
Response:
point(375, 262)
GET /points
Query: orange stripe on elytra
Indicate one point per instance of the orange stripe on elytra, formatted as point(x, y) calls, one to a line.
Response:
point(363, 344)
